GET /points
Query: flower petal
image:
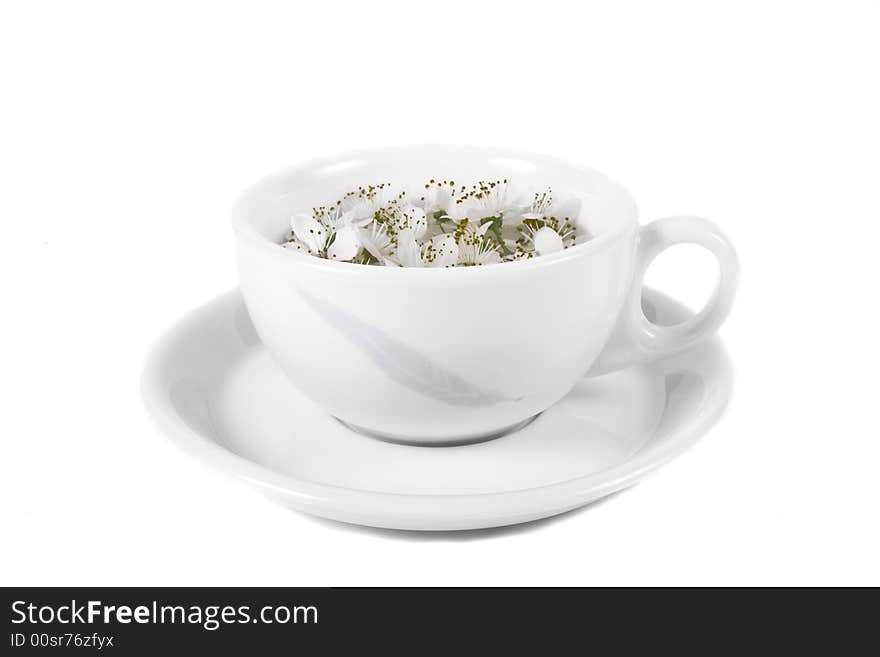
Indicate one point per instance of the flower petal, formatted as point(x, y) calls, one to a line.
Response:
point(547, 240)
point(408, 252)
point(570, 209)
point(436, 198)
point(309, 231)
point(346, 244)
point(360, 215)
point(445, 250)
point(457, 211)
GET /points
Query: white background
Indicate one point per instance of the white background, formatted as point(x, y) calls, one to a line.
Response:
point(128, 128)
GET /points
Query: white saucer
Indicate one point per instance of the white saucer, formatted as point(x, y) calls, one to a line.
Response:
point(214, 388)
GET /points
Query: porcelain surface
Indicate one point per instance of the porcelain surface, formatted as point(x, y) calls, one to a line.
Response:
point(216, 390)
point(455, 355)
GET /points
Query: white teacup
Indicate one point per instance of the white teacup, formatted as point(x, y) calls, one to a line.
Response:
point(445, 356)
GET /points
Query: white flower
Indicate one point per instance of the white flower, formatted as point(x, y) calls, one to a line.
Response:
point(440, 251)
point(548, 227)
point(482, 200)
point(413, 218)
point(361, 208)
point(376, 240)
point(544, 205)
point(310, 232)
point(486, 199)
point(546, 235)
point(437, 198)
point(334, 239)
point(473, 246)
point(538, 207)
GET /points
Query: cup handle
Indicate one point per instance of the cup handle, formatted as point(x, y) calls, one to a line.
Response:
point(635, 338)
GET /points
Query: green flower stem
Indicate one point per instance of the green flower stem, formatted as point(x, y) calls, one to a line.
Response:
point(495, 229)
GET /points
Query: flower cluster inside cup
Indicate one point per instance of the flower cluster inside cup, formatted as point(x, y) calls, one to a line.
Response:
point(444, 225)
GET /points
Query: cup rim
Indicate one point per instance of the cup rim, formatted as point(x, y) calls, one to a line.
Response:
point(243, 226)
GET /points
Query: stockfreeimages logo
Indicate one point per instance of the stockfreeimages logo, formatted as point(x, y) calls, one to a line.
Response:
point(210, 617)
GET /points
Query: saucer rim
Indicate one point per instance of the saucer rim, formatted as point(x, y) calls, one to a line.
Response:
point(427, 511)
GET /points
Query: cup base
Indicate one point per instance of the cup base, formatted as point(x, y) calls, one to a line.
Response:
point(436, 442)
